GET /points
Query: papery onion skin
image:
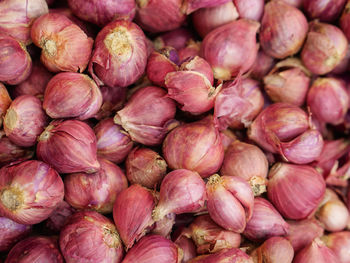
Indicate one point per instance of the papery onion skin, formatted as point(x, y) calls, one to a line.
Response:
point(250, 9)
point(176, 38)
point(12, 232)
point(96, 191)
point(223, 48)
point(189, 6)
point(262, 65)
point(90, 237)
point(101, 13)
point(5, 102)
point(192, 49)
point(283, 29)
point(233, 255)
point(15, 61)
point(186, 245)
point(339, 243)
point(58, 146)
point(113, 100)
point(30, 191)
point(113, 143)
point(59, 217)
point(326, 11)
point(24, 120)
point(164, 226)
point(345, 20)
point(200, 65)
point(194, 146)
point(35, 249)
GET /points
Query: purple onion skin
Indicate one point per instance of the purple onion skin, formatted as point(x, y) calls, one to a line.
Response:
point(324, 10)
point(59, 217)
point(11, 233)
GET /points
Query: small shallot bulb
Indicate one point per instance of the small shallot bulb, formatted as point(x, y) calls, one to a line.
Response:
point(262, 65)
point(190, 6)
point(230, 202)
point(132, 213)
point(5, 102)
point(151, 249)
point(11, 233)
point(328, 100)
point(90, 237)
point(15, 61)
point(11, 152)
point(176, 38)
point(164, 226)
point(316, 252)
point(324, 10)
point(119, 57)
point(25, 120)
point(325, 47)
point(181, 191)
point(29, 191)
point(59, 217)
point(147, 116)
point(250, 9)
point(62, 143)
point(65, 47)
point(233, 255)
point(113, 143)
point(231, 49)
point(288, 82)
point(191, 50)
point(274, 250)
point(186, 245)
point(339, 243)
point(248, 162)
point(145, 167)
point(113, 100)
point(345, 20)
point(266, 222)
point(283, 29)
point(72, 95)
point(195, 146)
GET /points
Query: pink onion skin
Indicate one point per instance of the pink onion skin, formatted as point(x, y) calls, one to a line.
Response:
point(145, 167)
point(189, 6)
point(328, 100)
point(17, 16)
point(15, 61)
point(96, 191)
point(238, 103)
point(90, 237)
point(5, 102)
point(194, 146)
point(164, 226)
point(266, 222)
point(302, 232)
point(295, 3)
point(223, 48)
point(339, 243)
point(238, 162)
point(192, 49)
point(12, 232)
point(325, 47)
point(283, 29)
point(59, 217)
point(181, 191)
point(113, 143)
point(288, 82)
point(65, 47)
point(345, 20)
point(233, 255)
point(113, 100)
point(101, 13)
point(316, 252)
point(227, 137)
point(334, 215)
point(24, 120)
point(250, 9)
point(200, 65)
point(262, 65)
point(186, 245)
point(58, 146)
point(119, 57)
point(177, 38)
point(132, 213)
point(295, 190)
point(153, 248)
point(147, 115)
point(325, 11)
point(207, 19)
point(30, 191)
point(35, 249)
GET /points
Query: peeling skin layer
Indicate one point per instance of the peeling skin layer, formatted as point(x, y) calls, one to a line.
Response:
point(50, 47)
point(118, 43)
point(11, 198)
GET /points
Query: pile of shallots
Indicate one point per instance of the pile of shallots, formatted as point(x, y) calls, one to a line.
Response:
point(174, 131)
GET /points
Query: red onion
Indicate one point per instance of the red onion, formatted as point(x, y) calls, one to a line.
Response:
point(283, 29)
point(176, 38)
point(343, 65)
point(316, 252)
point(266, 222)
point(17, 16)
point(207, 19)
point(194, 146)
point(328, 100)
point(238, 162)
point(113, 143)
point(24, 120)
point(12, 232)
point(262, 65)
point(233, 255)
point(30, 191)
point(345, 20)
point(189, 6)
point(274, 250)
point(59, 216)
point(89, 236)
point(101, 13)
point(113, 100)
point(339, 243)
point(65, 47)
point(186, 245)
point(147, 116)
point(231, 49)
point(62, 143)
point(145, 167)
point(327, 11)
point(250, 9)
point(5, 102)
point(238, 103)
point(96, 191)
point(324, 49)
point(288, 82)
point(153, 248)
point(164, 226)
point(15, 61)
point(35, 249)
point(132, 213)
point(191, 50)
point(181, 191)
